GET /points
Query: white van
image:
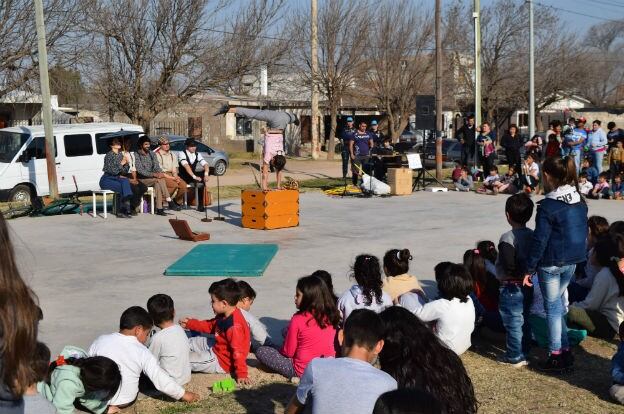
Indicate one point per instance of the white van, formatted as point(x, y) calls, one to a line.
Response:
point(79, 153)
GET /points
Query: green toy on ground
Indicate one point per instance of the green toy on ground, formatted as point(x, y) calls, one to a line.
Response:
point(224, 386)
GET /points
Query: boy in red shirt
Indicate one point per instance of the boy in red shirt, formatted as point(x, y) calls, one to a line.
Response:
point(228, 352)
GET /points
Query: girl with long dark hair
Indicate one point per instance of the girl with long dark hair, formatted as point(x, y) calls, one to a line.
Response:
point(19, 317)
point(310, 333)
point(417, 359)
point(367, 293)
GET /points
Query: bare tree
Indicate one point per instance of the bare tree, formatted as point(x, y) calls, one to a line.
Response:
point(606, 63)
point(342, 28)
point(505, 57)
point(18, 39)
point(153, 54)
point(398, 60)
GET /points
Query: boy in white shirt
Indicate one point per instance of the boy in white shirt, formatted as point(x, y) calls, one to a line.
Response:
point(259, 334)
point(530, 174)
point(584, 185)
point(454, 312)
point(127, 349)
point(170, 344)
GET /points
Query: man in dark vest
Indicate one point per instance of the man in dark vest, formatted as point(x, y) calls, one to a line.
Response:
point(466, 136)
point(194, 169)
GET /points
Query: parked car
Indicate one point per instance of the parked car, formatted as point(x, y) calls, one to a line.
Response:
point(217, 160)
point(451, 153)
point(79, 153)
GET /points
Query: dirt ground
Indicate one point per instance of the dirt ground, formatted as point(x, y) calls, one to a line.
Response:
point(500, 389)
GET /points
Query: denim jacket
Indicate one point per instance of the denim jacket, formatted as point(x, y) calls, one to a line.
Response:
point(617, 365)
point(560, 235)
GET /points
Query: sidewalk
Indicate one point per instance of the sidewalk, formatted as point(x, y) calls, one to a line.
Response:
point(295, 168)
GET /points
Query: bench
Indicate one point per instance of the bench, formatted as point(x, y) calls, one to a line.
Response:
point(104, 194)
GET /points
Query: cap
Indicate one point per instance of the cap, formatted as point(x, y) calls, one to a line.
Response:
point(349, 119)
point(582, 119)
point(190, 142)
point(163, 139)
point(374, 122)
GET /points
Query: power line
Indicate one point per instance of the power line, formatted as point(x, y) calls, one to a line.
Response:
point(578, 13)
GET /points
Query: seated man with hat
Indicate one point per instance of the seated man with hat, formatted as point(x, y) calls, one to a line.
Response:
point(149, 173)
point(168, 161)
point(194, 169)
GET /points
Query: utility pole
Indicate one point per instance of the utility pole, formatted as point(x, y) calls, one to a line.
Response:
point(46, 107)
point(531, 72)
point(476, 15)
point(314, 66)
point(438, 91)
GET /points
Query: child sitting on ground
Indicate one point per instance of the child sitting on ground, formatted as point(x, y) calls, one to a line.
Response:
point(465, 182)
point(617, 188)
point(615, 159)
point(590, 170)
point(327, 278)
point(488, 251)
point(530, 173)
point(617, 370)
point(259, 334)
point(453, 313)
point(456, 173)
point(515, 299)
point(170, 344)
point(34, 401)
point(367, 293)
point(488, 183)
point(601, 189)
point(127, 349)
point(486, 289)
point(398, 281)
point(228, 354)
point(597, 227)
point(361, 341)
point(74, 377)
point(585, 186)
point(602, 311)
point(310, 333)
point(508, 183)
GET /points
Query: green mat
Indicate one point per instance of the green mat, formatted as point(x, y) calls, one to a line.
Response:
point(236, 260)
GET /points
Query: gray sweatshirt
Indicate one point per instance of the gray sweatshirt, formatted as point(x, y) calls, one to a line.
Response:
point(274, 119)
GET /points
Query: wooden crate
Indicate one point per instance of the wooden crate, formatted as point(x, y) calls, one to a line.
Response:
point(399, 174)
point(267, 210)
point(271, 222)
point(400, 181)
point(269, 197)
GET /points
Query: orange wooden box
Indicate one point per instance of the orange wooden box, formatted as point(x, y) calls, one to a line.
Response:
point(269, 197)
point(270, 210)
point(271, 222)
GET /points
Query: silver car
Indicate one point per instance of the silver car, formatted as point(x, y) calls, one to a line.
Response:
point(216, 159)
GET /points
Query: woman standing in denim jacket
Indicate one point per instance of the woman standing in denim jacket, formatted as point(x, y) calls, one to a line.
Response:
point(558, 244)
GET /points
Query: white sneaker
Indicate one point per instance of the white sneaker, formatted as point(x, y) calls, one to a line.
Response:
point(518, 364)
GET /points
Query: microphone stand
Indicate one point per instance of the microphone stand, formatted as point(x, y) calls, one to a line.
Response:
point(218, 218)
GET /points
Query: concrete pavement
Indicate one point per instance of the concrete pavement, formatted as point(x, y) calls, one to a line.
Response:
point(87, 271)
point(299, 169)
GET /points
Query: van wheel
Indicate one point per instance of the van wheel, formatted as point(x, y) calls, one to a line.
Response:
point(21, 194)
point(220, 167)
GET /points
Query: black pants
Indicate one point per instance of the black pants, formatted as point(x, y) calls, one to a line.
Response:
point(345, 162)
point(138, 190)
point(488, 163)
point(467, 154)
point(513, 158)
point(188, 179)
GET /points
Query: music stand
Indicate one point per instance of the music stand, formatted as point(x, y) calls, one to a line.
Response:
point(414, 163)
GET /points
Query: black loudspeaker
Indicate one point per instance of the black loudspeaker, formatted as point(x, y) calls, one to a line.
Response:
point(425, 112)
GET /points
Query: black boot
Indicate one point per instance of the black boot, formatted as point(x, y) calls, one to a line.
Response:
point(553, 365)
point(174, 206)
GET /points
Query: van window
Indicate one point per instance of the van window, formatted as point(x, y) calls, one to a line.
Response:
point(102, 144)
point(78, 145)
point(36, 148)
point(10, 144)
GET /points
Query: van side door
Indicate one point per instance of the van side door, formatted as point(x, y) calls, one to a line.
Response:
point(80, 160)
point(35, 171)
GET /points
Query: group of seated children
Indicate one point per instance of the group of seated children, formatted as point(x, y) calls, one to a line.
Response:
point(606, 185)
point(527, 179)
point(333, 340)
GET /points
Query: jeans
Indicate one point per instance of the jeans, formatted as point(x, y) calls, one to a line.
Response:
point(553, 282)
point(577, 159)
point(514, 306)
point(597, 158)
